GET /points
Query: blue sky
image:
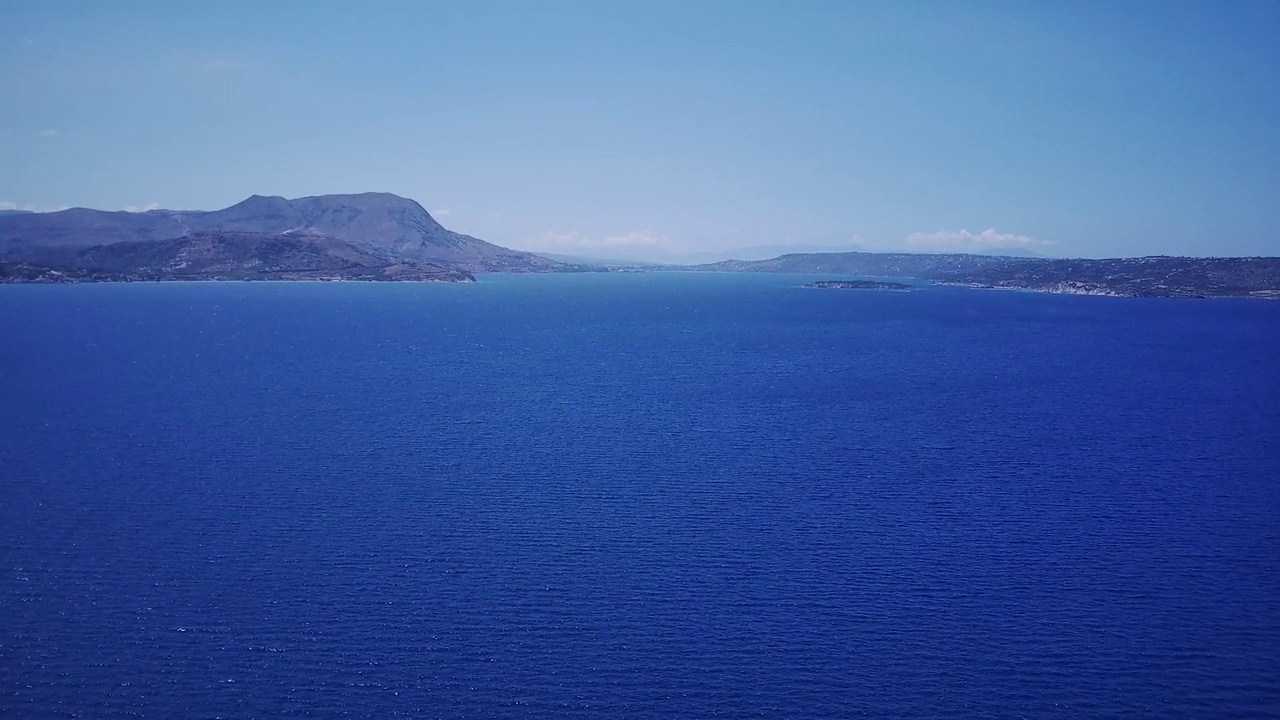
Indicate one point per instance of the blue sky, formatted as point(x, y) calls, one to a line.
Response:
point(1074, 128)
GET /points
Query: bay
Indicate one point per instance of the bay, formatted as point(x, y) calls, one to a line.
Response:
point(641, 495)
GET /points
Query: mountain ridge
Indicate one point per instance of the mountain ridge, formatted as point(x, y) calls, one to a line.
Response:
point(386, 225)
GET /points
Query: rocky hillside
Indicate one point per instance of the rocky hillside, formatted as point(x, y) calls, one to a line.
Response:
point(385, 226)
point(224, 255)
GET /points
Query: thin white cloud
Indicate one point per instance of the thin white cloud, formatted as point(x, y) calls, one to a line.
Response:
point(142, 208)
point(50, 133)
point(965, 241)
point(442, 212)
point(28, 42)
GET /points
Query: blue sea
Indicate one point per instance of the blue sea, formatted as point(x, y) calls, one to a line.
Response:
point(635, 496)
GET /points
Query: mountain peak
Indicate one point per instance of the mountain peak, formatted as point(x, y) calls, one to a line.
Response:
point(367, 200)
point(382, 223)
point(258, 203)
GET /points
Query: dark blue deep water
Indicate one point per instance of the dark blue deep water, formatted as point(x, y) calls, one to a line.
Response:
point(635, 496)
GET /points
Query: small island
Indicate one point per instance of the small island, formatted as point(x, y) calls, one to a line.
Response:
point(858, 285)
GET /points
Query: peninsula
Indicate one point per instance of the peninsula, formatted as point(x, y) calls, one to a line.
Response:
point(1159, 276)
point(370, 236)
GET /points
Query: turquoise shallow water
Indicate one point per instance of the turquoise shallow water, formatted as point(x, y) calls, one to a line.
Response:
point(648, 496)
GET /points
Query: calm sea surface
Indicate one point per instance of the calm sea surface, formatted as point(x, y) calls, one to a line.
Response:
point(635, 496)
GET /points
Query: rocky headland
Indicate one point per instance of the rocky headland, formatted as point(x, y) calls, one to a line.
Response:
point(370, 236)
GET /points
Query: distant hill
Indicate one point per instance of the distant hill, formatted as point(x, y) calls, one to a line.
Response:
point(1010, 252)
point(643, 256)
point(757, 252)
point(588, 261)
point(240, 256)
point(1158, 276)
point(391, 228)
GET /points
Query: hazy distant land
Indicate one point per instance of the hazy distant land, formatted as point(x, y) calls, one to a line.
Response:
point(379, 236)
point(1158, 276)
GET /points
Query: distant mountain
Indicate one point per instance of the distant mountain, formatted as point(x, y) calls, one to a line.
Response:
point(589, 261)
point(381, 221)
point(645, 256)
point(1010, 252)
point(14, 212)
point(922, 265)
point(388, 227)
point(1158, 276)
point(759, 252)
point(30, 233)
point(621, 257)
